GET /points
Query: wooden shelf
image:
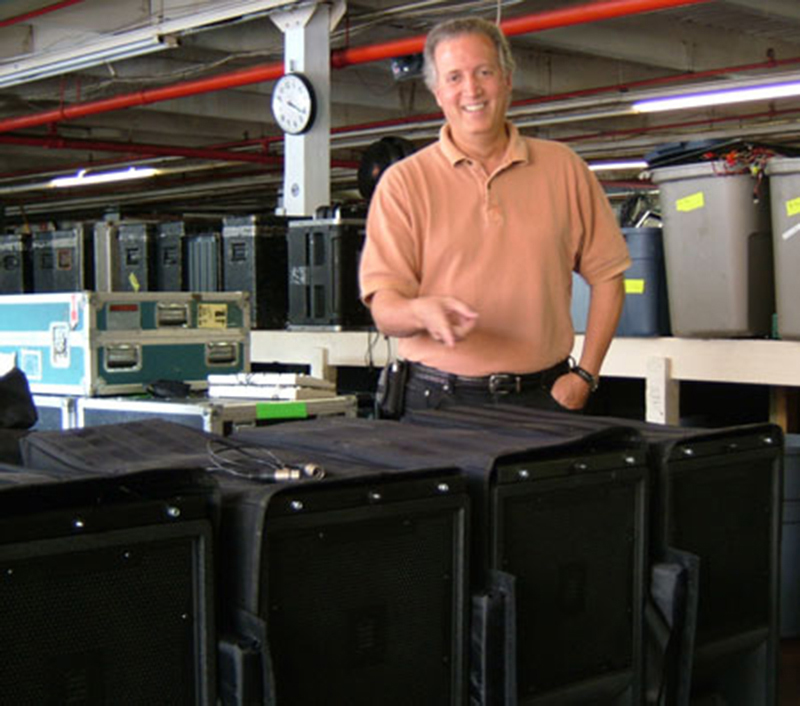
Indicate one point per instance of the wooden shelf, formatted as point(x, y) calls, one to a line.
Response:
point(662, 362)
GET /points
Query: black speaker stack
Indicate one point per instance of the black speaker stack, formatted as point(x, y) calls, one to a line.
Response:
point(16, 269)
point(714, 527)
point(557, 550)
point(324, 253)
point(107, 587)
point(255, 260)
point(355, 584)
point(483, 556)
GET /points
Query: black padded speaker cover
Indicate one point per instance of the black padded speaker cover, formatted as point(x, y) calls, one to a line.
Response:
point(560, 515)
point(107, 590)
point(358, 581)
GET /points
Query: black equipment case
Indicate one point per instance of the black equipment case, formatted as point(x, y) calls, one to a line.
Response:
point(107, 587)
point(714, 547)
point(356, 583)
point(557, 603)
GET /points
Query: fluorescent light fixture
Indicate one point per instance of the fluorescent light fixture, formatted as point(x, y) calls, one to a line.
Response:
point(621, 165)
point(84, 179)
point(722, 97)
point(126, 45)
point(49, 64)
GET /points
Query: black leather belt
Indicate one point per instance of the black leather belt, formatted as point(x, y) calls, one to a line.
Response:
point(494, 384)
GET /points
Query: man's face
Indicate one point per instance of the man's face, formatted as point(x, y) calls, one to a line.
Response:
point(471, 88)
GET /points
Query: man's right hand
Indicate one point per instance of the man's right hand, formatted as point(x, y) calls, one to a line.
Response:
point(445, 319)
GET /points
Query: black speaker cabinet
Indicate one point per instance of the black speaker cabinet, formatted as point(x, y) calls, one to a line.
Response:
point(571, 531)
point(718, 496)
point(716, 500)
point(63, 260)
point(16, 272)
point(323, 273)
point(358, 584)
point(107, 593)
point(557, 548)
point(255, 260)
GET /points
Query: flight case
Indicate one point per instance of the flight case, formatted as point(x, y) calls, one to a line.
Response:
point(107, 343)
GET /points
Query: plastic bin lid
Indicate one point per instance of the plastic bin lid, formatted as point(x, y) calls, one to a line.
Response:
point(716, 168)
point(783, 165)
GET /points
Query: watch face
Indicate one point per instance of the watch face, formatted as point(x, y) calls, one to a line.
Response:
point(293, 103)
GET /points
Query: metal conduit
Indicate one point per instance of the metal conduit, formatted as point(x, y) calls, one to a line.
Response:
point(38, 13)
point(341, 58)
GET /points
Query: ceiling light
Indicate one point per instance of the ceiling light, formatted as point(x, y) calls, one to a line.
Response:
point(621, 165)
point(721, 97)
point(84, 179)
point(125, 45)
point(49, 64)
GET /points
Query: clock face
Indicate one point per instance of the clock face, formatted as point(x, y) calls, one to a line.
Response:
point(293, 103)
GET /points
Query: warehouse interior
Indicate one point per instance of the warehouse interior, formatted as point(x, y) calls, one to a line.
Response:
point(160, 112)
point(194, 102)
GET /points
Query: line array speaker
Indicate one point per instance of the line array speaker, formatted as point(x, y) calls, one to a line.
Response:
point(358, 583)
point(108, 591)
point(557, 550)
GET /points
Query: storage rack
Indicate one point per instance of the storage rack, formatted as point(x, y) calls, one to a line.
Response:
point(663, 363)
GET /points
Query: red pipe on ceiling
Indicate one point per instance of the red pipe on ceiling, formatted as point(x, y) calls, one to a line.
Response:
point(139, 149)
point(340, 58)
point(37, 13)
point(537, 22)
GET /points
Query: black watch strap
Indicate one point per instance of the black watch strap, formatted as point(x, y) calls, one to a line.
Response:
point(586, 376)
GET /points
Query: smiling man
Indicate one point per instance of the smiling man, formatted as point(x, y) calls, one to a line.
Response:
point(471, 244)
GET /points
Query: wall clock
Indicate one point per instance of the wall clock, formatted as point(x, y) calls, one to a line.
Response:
point(294, 104)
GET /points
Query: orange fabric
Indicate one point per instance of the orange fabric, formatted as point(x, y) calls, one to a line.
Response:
point(505, 244)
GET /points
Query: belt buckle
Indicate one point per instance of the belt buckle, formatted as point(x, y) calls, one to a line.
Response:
point(498, 379)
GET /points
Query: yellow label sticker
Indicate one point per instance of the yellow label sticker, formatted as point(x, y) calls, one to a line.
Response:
point(793, 207)
point(634, 286)
point(691, 202)
point(212, 316)
point(134, 282)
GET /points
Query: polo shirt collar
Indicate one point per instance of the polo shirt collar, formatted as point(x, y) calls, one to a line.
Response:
point(517, 150)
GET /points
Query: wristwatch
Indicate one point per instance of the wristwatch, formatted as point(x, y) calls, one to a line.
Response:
point(586, 376)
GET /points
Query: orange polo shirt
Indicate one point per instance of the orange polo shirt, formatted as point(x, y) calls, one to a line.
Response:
point(505, 243)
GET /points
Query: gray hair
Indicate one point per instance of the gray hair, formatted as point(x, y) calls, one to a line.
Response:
point(449, 29)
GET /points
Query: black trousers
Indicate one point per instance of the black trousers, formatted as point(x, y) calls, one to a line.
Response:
point(424, 393)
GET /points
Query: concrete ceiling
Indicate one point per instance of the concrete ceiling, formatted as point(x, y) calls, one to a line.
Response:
point(574, 83)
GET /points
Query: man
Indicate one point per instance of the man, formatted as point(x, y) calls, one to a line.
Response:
point(471, 244)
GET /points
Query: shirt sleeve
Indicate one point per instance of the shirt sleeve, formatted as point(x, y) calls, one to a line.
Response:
point(603, 254)
point(390, 259)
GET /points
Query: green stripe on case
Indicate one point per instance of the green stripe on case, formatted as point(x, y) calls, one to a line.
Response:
point(281, 410)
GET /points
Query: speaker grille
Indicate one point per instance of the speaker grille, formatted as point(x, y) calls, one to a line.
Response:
point(107, 619)
point(362, 610)
point(572, 551)
point(724, 514)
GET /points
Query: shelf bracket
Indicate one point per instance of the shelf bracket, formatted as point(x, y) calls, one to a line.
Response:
point(662, 393)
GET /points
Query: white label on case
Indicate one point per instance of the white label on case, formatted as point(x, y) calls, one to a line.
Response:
point(59, 345)
point(792, 231)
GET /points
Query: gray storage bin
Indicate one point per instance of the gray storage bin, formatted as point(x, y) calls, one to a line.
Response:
point(718, 250)
point(784, 180)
